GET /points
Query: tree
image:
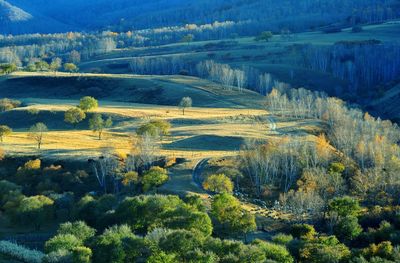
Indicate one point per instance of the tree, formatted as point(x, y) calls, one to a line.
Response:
point(224, 206)
point(55, 64)
point(7, 68)
point(4, 131)
point(62, 242)
point(155, 128)
point(181, 242)
point(35, 210)
point(344, 206)
point(70, 67)
point(88, 103)
point(275, 252)
point(7, 104)
point(146, 212)
point(218, 183)
point(37, 132)
point(98, 124)
point(74, 57)
point(154, 177)
point(188, 38)
point(186, 102)
point(74, 116)
point(228, 211)
point(129, 178)
point(146, 149)
point(161, 257)
point(81, 255)
point(324, 249)
point(109, 247)
point(79, 229)
point(234, 174)
point(348, 228)
point(303, 231)
point(264, 36)
point(41, 65)
point(240, 78)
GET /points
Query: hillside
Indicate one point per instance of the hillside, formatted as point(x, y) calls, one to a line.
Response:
point(16, 20)
point(125, 15)
point(160, 90)
point(217, 125)
point(12, 14)
point(283, 59)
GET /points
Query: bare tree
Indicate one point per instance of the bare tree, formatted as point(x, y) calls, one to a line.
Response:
point(146, 149)
point(105, 166)
point(186, 102)
point(37, 132)
point(240, 79)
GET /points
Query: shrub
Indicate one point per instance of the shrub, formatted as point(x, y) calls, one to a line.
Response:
point(78, 229)
point(81, 255)
point(59, 256)
point(274, 252)
point(62, 242)
point(303, 231)
point(218, 183)
point(348, 228)
point(155, 177)
point(282, 239)
point(88, 103)
point(155, 128)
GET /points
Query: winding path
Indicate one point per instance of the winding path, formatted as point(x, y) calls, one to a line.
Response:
point(197, 170)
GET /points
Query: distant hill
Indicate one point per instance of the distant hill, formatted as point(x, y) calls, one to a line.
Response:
point(17, 20)
point(123, 15)
point(12, 14)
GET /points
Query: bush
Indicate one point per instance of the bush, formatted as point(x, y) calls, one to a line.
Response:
point(275, 252)
point(154, 177)
point(59, 256)
point(7, 68)
point(62, 242)
point(218, 183)
point(348, 228)
point(303, 231)
point(81, 255)
point(155, 128)
point(21, 253)
point(282, 239)
point(78, 229)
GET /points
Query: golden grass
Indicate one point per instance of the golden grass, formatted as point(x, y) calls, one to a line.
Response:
point(221, 122)
point(57, 144)
point(240, 121)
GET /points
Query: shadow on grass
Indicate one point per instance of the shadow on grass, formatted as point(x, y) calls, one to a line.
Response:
point(208, 142)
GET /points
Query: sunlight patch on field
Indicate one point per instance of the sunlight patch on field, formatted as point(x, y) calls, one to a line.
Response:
point(201, 132)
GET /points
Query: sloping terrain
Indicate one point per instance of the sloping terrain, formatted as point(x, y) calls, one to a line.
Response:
point(218, 124)
point(11, 14)
point(160, 90)
point(16, 20)
point(281, 58)
point(125, 15)
point(388, 105)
